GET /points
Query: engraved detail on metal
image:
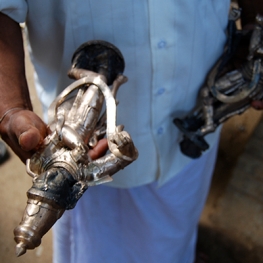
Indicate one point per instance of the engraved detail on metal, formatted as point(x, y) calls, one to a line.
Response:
point(62, 169)
point(226, 92)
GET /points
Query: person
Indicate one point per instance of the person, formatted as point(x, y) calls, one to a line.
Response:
point(150, 212)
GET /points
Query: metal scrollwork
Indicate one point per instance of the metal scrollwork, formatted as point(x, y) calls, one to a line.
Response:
point(226, 92)
point(62, 169)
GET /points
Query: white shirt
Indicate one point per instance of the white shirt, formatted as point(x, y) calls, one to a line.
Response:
point(169, 47)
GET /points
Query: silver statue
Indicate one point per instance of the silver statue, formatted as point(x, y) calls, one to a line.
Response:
point(62, 170)
point(226, 93)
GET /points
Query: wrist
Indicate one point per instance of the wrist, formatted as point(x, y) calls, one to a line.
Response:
point(13, 100)
point(6, 118)
point(9, 111)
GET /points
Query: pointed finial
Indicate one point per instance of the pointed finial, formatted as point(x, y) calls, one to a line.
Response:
point(20, 249)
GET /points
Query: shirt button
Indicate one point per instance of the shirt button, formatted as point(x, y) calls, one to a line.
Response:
point(160, 131)
point(162, 44)
point(160, 91)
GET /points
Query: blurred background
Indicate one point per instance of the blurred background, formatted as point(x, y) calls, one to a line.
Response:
point(231, 226)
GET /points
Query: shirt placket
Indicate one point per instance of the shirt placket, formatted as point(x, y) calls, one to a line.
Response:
point(163, 65)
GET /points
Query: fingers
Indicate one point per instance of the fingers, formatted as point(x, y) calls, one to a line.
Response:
point(28, 128)
point(99, 150)
point(30, 139)
point(257, 104)
point(24, 132)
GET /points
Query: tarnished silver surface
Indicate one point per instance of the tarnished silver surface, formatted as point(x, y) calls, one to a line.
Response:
point(226, 92)
point(62, 169)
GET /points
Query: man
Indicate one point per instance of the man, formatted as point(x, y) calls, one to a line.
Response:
point(149, 213)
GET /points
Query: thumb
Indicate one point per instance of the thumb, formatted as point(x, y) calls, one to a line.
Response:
point(28, 128)
point(30, 139)
point(23, 131)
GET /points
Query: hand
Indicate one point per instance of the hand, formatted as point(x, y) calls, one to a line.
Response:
point(23, 131)
point(99, 150)
point(257, 104)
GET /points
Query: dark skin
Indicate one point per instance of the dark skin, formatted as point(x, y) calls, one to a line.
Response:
point(21, 128)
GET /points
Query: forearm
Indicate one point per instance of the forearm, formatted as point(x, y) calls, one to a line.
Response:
point(13, 85)
point(20, 128)
point(250, 8)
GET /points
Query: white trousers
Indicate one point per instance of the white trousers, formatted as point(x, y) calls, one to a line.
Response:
point(147, 224)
